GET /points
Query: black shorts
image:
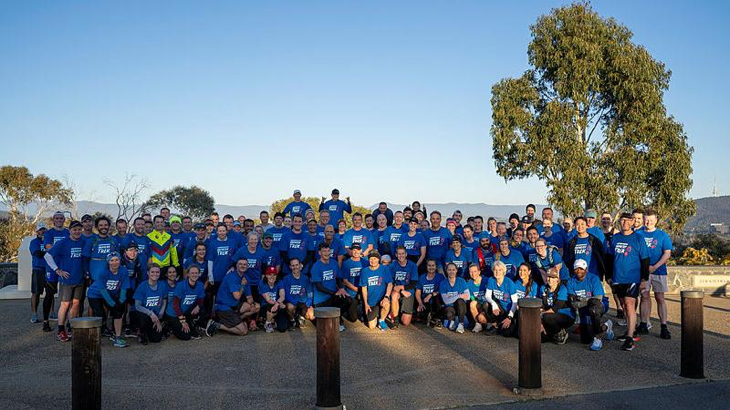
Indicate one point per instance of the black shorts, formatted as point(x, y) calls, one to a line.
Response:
point(626, 290)
point(38, 281)
point(255, 293)
point(406, 303)
point(374, 312)
point(229, 318)
point(68, 292)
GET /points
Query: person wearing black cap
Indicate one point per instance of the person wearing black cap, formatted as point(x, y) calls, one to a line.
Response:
point(514, 223)
point(336, 206)
point(87, 222)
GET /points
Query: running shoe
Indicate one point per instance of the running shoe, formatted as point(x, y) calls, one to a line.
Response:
point(642, 329)
point(62, 336)
point(46, 327)
point(626, 337)
point(609, 330)
point(477, 328)
point(383, 325)
point(211, 328)
point(460, 328)
point(396, 323)
point(292, 325)
point(628, 345)
point(34, 318)
point(562, 337)
point(343, 328)
point(596, 345)
point(105, 332)
point(268, 327)
point(437, 324)
point(490, 330)
point(129, 332)
point(664, 334)
point(119, 342)
point(620, 318)
point(252, 326)
point(302, 321)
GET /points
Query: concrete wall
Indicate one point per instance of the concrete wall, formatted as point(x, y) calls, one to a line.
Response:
point(712, 279)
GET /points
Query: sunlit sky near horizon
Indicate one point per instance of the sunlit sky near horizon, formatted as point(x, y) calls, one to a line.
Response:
point(251, 100)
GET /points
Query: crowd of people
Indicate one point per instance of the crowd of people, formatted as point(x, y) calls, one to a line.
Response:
point(167, 276)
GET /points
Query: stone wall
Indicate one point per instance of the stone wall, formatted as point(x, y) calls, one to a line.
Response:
point(713, 280)
point(8, 274)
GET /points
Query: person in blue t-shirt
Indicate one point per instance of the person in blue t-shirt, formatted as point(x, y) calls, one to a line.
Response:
point(454, 294)
point(109, 293)
point(459, 256)
point(99, 246)
point(438, 240)
point(376, 285)
point(553, 235)
point(585, 246)
point(393, 233)
point(255, 256)
point(525, 286)
point(336, 206)
point(272, 302)
point(220, 260)
point(511, 259)
point(278, 230)
point(476, 296)
point(198, 258)
point(485, 255)
point(298, 296)
point(585, 294)
point(351, 269)
point(405, 278)
point(660, 250)
point(501, 301)
point(186, 313)
point(139, 237)
point(415, 245)
point(38, 277)
point(234, 304)
point(630, 257)
point(557, 316)
point(200, 236)
point(427, 295)
point(297, 206)
point(358, 234)
point(65, 260)
point(293, 244)
point(548, 257)
point(150, 299)
point(469, 242)
point(327, 285)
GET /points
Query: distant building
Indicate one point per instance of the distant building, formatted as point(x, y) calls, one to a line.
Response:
point(720, 228)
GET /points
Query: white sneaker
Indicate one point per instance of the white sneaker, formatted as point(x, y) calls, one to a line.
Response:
point(452, 325)
point(342, 328)
point(269, 327)
point(460, 328)
point(477, 328)
point(648, 325)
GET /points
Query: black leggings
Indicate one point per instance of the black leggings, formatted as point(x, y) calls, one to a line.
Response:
point(146, 326)
point(458, 309)
point(594, 311)
point(503, 314)
point(210, 294)
point(433, 306)
point(555, 322)
point(300, 309)
point(192, 321)
point(97, 306)
point(348, 306)
point(51, 289)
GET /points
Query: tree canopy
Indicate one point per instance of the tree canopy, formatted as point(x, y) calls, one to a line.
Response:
point(192, 201)
point(588, 118)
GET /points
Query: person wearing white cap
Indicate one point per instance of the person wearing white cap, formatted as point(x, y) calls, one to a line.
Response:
point(585, 295)
point(38, 279)
point(297, 206)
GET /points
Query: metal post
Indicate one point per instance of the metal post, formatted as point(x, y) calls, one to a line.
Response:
point(530, 354)
point(328, 358)
point(86, 363)
point(692, 335)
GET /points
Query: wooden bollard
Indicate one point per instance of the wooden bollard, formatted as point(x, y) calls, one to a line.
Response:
point(530, 354)
point(693, 361)
point(328, 358)
point(86, 363)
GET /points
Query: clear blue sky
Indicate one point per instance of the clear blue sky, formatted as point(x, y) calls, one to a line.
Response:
point(251, 100)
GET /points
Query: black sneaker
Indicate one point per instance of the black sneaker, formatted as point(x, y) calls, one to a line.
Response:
point(211, 328)
point(626, 337)
point(642, 329)
point(129, 332)
point(389, 322)
point(46, 327)
point(194, 335)
point(302, 321)
point(292, 325)
point(664, 334)
point(628, 344)
point(142, 338)
point(429, 319)
point(438, 324)
point(620, 314)
point(561, 337)
point(105, 332)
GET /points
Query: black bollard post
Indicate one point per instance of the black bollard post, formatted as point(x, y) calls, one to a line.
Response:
point(86, 363)
point(328, 358)
point(530, 354)
point(693, 361)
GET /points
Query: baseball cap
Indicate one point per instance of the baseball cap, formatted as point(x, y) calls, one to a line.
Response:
point(296, 191)
point(514, 216)
point(374, 254)
point(112, 255)
point(199, 226)
point(58, 213)
point(526, 219)
point(385, 258)
point(132, 245)
point(271, 270)
point(174, 219)
point(553, 274)
point(591, 213)
point(335, 191)
point(86, 217)
point(74, 224)
point(457, 238)
point(236, 223)
point(580, 263)
point(355, 246)
point(40, 226)
point(268, 235)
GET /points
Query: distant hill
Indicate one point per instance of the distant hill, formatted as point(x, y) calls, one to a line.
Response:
point(709, 210)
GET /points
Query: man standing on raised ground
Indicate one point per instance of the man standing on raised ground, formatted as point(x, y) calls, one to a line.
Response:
point(660, 250)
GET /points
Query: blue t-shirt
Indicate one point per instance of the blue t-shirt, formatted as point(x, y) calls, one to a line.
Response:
point(529, 253)
point(403, 275)
point(151, 299)
point(277, 233)
point(295, 246)
point(362, 236)
point(272, 291)
point(97, 248)
point(326, 274)
point(297, 290)
point(313, 241)
point(337, 210)
point(296, 208)
point(351, 270)
point(143, 248)
point(589, 287)
point(428, 286)
point(392, 235)
point(513, 262)
point(203, 266)
point(111, 282)
point(658, 242)
point(450, 293)
point(437, 243)
point(170, 290)
point(190, 245)
point(225, 301)
point(272, 256)
point(546, 263)
point(489, 258)
point(67, 254)
point(413, 244)
point(376, 281)
point(549, 298)
point(188, 296)
point(522, 292)
point(627, 252)
point(556, 239)
point(476, 290)
point(462, 261)
point(255, 259)
point(584, 251)
point(473, 245)
point(502, 294)
point(37, 245)
point(221, 254)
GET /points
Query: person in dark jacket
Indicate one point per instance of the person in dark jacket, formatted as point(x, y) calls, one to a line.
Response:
point(587, 247)
point(383, 209)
